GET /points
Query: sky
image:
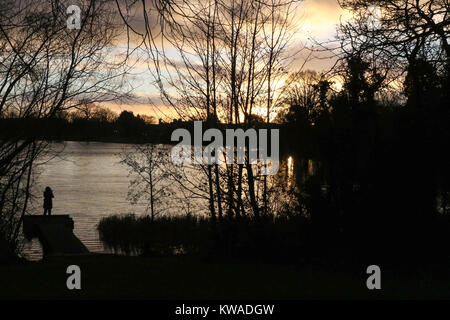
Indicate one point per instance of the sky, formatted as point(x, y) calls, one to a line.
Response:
point(315, 19)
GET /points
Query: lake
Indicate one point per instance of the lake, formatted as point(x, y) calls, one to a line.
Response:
point(89, 182)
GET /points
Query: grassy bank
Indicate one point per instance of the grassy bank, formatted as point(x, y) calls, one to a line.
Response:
point(121, 277)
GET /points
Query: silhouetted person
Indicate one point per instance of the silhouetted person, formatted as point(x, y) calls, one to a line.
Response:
point(48, 202)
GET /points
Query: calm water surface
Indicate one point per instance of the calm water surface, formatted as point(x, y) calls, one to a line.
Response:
point(89, 183)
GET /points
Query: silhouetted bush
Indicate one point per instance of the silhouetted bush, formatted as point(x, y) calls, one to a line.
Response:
point(129, 234)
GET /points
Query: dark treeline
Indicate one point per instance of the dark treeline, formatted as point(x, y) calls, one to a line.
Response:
point(101, 124)
point(381, 187)
point(382, 181)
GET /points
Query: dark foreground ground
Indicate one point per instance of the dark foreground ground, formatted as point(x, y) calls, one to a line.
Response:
point(120, 277)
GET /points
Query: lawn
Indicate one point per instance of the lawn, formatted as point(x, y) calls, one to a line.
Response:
point(121, 277)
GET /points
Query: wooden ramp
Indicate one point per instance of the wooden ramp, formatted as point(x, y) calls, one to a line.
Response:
point(55, 233)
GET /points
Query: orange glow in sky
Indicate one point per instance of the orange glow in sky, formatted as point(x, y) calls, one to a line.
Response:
point(314, 19)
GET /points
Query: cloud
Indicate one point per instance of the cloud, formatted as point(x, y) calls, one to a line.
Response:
point(317, 23)
point(320, 18)
point(315, 19)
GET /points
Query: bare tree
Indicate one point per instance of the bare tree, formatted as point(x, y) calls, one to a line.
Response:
point(150, 172)
point(394, 35)
point(221, 61)
point(46, 68)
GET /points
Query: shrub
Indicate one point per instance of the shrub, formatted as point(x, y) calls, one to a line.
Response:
point(129, 234)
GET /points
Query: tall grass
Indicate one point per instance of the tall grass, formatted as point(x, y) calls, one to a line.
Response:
point(268, 237)
point(129, 234)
